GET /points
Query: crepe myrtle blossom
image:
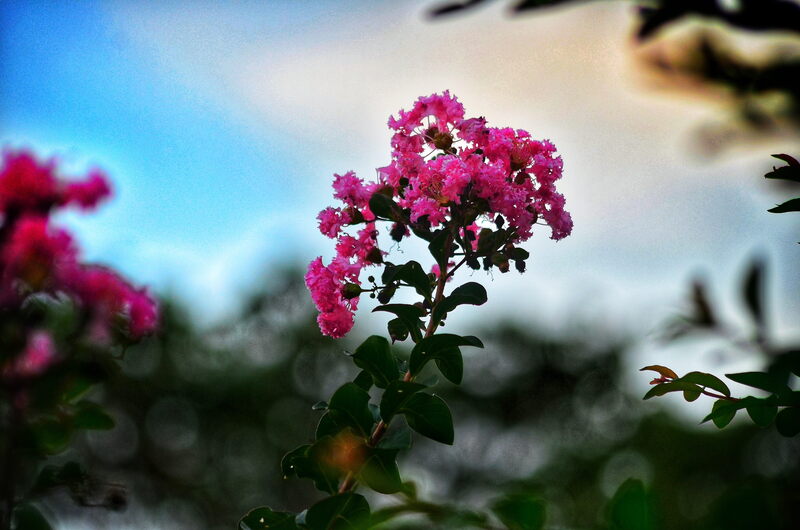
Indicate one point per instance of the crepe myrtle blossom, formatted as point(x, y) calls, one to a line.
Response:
point(446, 171)
point(38, 258)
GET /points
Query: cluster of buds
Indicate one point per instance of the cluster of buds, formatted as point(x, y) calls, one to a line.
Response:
point(489, 186)
point(39, 259)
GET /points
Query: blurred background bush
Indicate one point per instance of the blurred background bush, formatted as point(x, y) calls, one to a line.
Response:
point(215, 124)
point(203, 418)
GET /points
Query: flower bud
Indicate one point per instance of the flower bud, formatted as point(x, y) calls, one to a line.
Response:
point(355, 216)
point(351, 290)
point(386, 294)
point(501, 261)
point(398, 231)
point(375, 256)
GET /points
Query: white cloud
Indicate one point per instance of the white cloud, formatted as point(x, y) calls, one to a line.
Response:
point(647, 213)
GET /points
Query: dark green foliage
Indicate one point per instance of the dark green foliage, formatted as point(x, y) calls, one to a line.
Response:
point(396, 396)
point(723, 411)
point(409, 315)
point(375, 357)
point(631, 508)
point(91, 416)
point(363, 380)
point(384, 207)
point(265, 519)
point(410, 273)
point(398, 331)
point(792, 205)
point(691, 391)
point(520, 512)
point(761, 380)
point(429, 416)
point(380, 471)
point(706, 380)
point(28, 517)
point(761, 411)
point(444, 349)
point(307, 461)
point(348, 406)
point(788, 421)
point(470, 293)
point(346, 511)
point(437, 247)
point(397, 437)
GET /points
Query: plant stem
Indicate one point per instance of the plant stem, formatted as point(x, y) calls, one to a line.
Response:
point(719, 396)
point(380, 429)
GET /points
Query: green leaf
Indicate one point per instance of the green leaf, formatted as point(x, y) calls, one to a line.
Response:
point(328, 425)
point(672, 386)
point(520, 512)
point(444, 348)
point(788, 421)
point(761, 380)
point(429, 416)
point(451, 364)
point(91, 416)
point(436, 247)
point(28, 517)
point(761, 411)
point(470, 293)
point(363, 380)
point(307, 461)
point(398, 436)
point(345, 511)
point(789, 173)
point(792, 205)
point(396, 395)
point(410, 316)
point(791, 399)
point(691, 395)
point(51, 435)
point(375, 356)
point(488, 241)
point(519, 253)
point(412, 274)
point(631, 508)
point(706, 380)
point(792, 161)
point(723, 412)
point(265, 519)
point(397, 330)
point(350, 406)
point(380, 471)
point(288, 467)
point(383, 206)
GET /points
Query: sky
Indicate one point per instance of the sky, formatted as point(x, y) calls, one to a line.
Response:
point(221, 125)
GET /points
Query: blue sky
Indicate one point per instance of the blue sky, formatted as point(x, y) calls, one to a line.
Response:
point(222, 123)
point(187, 176)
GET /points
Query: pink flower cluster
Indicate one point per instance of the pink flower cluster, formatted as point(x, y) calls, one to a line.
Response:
point(26, 184)
point(514, 174)
point(441, 161)
point(353, 253)
point(37, 257)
